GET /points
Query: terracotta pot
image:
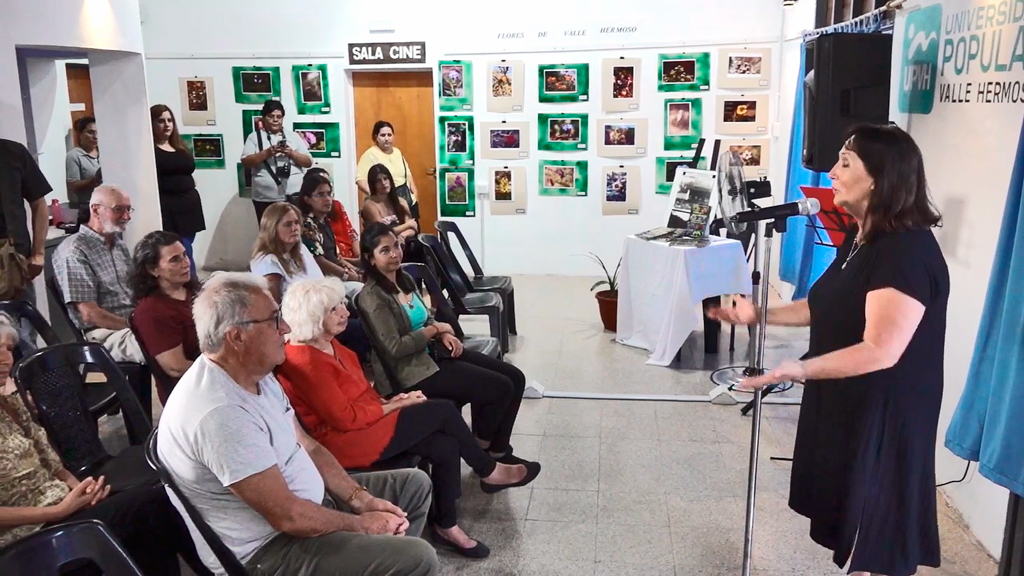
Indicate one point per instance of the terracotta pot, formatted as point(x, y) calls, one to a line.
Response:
point(608, 305)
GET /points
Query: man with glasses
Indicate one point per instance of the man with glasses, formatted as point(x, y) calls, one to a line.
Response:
point(92, 269)
point(277, 499)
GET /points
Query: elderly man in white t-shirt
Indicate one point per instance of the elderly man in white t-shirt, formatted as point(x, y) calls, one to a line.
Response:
point(278, 500)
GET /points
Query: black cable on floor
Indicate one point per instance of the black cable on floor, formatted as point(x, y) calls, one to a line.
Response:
point(962, 478)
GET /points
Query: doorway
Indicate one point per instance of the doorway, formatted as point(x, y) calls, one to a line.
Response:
point(79, 94)
point(406, 100)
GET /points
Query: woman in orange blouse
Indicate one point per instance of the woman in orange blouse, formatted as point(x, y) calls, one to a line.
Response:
point(325, 384)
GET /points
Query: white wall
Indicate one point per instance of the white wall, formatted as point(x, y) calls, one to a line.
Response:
point(969, 151)
point(555, 229)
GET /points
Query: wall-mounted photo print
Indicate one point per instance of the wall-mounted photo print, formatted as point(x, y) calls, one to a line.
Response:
point(683, 123)
point(744, 67)
point(244, 176)
point(256, 84)
point(563, 177)
point(665, 169)
point(622, 190)
point(455, 85)
point(322, 138)
point(456, 140)
point(458, 196)
point(251, 121)
point(505, 140)
point(753, 153)
point(620, 84)
point(312, 89)
point(622, 137)
point(684, 72)
point(506, 81)
point(207, 149)
point(564, 82)
point(197, 102)
point(508, 190)
point(502, 185)
point(742, 114)
point(562, 132)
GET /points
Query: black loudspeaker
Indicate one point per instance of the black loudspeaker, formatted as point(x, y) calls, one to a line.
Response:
point(846, 83)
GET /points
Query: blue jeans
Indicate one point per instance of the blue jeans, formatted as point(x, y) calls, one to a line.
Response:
point(187, 241)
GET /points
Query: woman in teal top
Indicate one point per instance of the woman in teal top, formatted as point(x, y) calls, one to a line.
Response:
point(417, 312)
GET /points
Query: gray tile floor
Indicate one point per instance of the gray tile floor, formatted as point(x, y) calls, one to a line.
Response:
point(644, 488)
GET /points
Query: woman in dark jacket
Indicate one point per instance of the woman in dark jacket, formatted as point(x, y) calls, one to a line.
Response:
point(180, 205)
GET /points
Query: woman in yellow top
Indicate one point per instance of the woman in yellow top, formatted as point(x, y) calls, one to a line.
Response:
point(384, 152)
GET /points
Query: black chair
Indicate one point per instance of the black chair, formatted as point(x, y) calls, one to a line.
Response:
point(164, 381)
point(501, 285)
point(50, 382)
point(56, 296)
point(231, 564)
point(465, 302)
point(445, 313)
point(84, 547)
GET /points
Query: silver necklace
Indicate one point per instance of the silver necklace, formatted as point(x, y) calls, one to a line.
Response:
point(853, 251)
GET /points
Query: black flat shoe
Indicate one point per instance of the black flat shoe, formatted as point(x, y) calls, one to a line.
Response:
point(478, 552)
point(532, 471)
point(511, 459)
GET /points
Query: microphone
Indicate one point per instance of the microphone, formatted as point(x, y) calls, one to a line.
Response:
point(805, 207)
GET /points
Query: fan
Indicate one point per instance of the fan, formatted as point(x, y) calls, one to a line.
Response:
point(732, 191)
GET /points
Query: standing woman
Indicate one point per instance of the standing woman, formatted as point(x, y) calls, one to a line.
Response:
point(180, 204)
point(385, 206)
point(384, 152)
point(864, 459)
point(276, 158)
point(82, 165)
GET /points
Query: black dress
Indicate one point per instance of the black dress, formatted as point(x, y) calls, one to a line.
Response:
point(864, 458)
point(180, 205)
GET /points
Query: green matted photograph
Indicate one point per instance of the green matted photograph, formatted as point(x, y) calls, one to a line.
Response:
point(665, 170)
point(563, 83)
point(251, 122)
point(684, 72)
point(684, 120)
point(322, 138)
point(457, 142)
point(455, 85)
point(312, 90)
point(457, 194)
point(256, 84)
point(562, 132)
point(563, 177)
point(244, 181)
point(207, 149)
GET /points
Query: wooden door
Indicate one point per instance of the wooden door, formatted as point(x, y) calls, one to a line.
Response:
point(406, 100)
point(80, 93)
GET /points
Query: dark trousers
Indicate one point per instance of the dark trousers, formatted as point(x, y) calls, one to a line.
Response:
point(493, 389)
point(435, 430)
point(187, 242)
point(261, 207)
point(146, 523)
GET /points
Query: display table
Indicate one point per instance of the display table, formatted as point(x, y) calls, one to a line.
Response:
point(661, 288)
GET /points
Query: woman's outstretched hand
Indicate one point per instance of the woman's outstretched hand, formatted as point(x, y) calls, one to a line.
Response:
point(743, 313)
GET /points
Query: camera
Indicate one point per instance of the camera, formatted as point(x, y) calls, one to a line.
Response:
point(283, 171)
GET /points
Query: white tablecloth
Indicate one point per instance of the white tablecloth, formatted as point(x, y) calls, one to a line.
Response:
point(661, 288)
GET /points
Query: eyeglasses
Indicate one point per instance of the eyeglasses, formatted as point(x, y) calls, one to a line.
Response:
point(120, 210)
point(323, 195)
point(276, 318)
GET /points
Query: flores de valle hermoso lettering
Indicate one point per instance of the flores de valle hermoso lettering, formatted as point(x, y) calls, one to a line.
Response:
point(940, 51)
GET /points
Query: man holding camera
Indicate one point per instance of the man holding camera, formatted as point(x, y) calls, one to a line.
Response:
point(276, 159)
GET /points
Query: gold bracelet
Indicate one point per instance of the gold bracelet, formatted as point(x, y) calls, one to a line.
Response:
point(355, 493)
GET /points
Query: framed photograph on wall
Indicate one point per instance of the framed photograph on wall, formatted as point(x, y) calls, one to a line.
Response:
point(506, 79)
point(665, 168)
point(256, 84)
point(207, 149)
point(508, 190)
point(312, 90)
point(620, 84)
point(457, 194)
point(688, 72)
point(322, 138)
point(455, 86)
point(456, 146)
point(251, 121)
point(563, 177)
point(505, 140)
point(742, 114)
point(622, 137)
point(562, 132)
point(755, 153)
point(244, 181)
point(621, 190)
point(684, 121)
point(561, 83)
point(744, 67)
point(198, 107)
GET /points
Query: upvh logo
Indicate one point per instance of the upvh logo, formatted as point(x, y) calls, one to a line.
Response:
point(920, 68)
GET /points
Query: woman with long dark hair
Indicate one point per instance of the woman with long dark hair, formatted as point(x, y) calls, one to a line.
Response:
point(163, 288)
point(180, 204)
point(864, 458)
point(385, 152)
point(384, 205)
point(315, 201)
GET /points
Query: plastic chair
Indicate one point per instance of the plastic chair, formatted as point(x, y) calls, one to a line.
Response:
point(501, 285)
point(50, 381)
point(57, 296)
point(465, 302)
point(86, 545)
point(483, 344)
point(380, 352)
point(164, 381)
point(229, 562)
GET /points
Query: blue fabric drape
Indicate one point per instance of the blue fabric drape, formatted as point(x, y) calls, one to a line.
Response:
point(988, 424)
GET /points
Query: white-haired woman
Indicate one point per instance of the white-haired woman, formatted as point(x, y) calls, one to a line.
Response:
point(36, 490)
point(333, 400)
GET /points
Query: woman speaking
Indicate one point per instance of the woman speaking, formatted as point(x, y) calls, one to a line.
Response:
point(864, 458)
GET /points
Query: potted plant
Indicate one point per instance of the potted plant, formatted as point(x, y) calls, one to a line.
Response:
point(607, 300)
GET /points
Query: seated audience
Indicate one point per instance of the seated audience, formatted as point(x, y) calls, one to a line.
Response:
point(315, 202)
point(91, 268)
point(346, 237)
point(37, 491)
point(277, 498)
point(385, 206)
point(333, 400)
point(425, 354)
point(163, 288)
